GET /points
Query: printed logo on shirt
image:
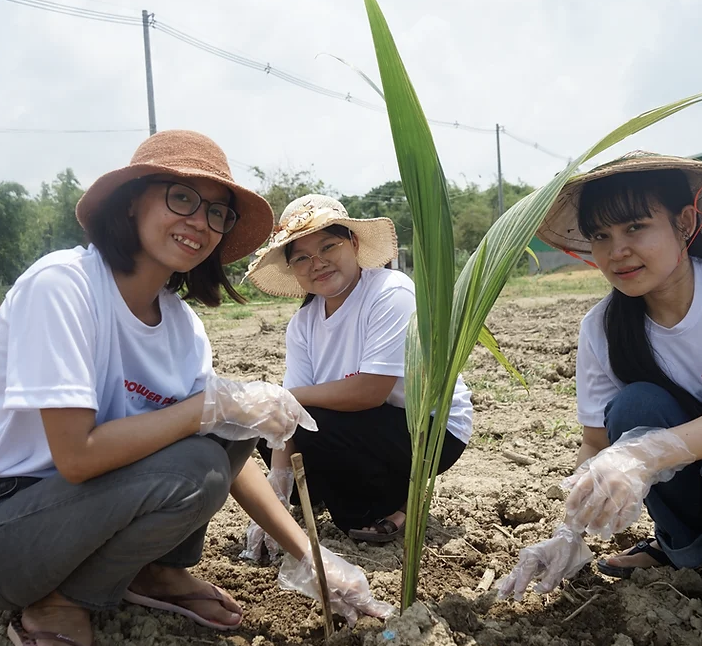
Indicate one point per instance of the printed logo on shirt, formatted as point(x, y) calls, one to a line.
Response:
point(149, 395)
point(353, 374)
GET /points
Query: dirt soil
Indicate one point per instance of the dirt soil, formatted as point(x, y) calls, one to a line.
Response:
point(485, 509)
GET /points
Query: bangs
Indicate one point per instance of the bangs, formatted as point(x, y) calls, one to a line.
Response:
point(612, 207)
point(629, 197)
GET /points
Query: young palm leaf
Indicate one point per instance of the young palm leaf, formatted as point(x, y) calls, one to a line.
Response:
point(450, 320)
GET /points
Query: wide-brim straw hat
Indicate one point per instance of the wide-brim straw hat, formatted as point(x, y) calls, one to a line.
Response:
point(377, 242)
point(185, 153)
point(560, 226)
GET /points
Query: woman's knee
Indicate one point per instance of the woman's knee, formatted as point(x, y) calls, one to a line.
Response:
point(200, 472)
point(642, 404)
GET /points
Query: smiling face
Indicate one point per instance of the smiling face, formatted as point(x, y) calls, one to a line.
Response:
point(172, 242)
point(638, 224)
point(641, 256)
point(335, 274)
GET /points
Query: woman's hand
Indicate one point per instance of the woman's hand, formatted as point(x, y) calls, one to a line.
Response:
point(281, 481)
point(241, 410)
point(607, 491)
point(549, 561)
point(349, 591)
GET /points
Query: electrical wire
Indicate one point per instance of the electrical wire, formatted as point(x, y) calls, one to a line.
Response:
point(79, 12)
point(51, 131)
point(238, 59)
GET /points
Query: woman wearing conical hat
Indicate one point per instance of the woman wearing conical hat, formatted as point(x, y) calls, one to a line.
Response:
point(345, 365)
point(118, 443)
point(639, 369)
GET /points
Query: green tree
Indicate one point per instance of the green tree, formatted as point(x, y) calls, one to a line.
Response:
point(57, 226)
point(387, 200)
point(16, 216)
point(474, 210)
point(282, 187)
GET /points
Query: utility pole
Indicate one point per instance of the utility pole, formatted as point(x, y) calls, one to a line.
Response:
point(500, 193)
point(149, 78)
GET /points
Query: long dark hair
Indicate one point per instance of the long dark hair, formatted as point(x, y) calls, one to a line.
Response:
point(617, 199)
point(337, 230)
point(116, 236)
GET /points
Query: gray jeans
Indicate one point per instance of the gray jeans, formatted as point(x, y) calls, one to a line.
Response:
point(89, 540)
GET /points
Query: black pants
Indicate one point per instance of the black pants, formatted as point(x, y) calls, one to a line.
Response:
point(359, 463)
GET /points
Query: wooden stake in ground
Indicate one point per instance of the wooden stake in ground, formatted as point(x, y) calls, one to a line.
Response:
point(301, 479)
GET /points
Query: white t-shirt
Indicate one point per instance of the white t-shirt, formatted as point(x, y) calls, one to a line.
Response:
point(677, 351)
point(366, 334)
point(68, 340)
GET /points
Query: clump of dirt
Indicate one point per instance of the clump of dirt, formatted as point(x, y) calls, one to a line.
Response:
point(501, 496)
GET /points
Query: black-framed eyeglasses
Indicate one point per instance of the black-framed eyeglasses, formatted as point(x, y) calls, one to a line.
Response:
point(184, 200)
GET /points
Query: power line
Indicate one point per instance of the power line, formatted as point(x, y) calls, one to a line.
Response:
point(291, 78)
point(535, 145)
point(238, 59)
point(79, 12)
point(52, 131)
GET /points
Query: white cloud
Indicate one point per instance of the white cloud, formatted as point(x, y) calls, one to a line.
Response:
point(559, 73)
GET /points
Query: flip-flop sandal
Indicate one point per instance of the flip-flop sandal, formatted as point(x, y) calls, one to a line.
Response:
point(620, 572)
point(385, 531)
point(20, 637)
point(171, 604)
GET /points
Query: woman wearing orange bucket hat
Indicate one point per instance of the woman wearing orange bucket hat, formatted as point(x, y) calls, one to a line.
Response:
point(118, 442)
point(638, 370)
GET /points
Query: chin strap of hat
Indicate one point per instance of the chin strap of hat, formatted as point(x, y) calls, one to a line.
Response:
point(575, 255)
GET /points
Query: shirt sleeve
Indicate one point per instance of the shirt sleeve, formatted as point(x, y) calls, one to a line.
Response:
point(205, 355)
point(595, 388)
point(298, 364)
point(384, 345)
point(51, 343)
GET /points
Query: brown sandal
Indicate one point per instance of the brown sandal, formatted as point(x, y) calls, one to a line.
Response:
point(20, 637)
point(383, 531)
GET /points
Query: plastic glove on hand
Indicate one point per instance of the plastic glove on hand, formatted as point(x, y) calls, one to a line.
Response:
point(549, 562)
point(349, 592)
point(608, 490)
point(243, 410)
point(281, 481)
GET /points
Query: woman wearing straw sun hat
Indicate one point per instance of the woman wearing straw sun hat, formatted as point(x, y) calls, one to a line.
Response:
point(118, 442)
point(638, 369)
point(345, 365)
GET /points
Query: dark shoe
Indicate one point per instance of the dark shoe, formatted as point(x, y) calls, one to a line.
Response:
point(621, 572)
point(383, 530)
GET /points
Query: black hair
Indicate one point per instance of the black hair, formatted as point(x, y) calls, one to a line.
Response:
point(114, 233)
point(618, 199)
point(337, 230)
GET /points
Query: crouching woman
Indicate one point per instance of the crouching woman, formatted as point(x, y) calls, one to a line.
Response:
point(108, 473)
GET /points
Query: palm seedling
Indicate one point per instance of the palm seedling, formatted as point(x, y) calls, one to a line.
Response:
point(450, 318)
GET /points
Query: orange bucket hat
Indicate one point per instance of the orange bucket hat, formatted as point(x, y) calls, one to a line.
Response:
point(185, 153)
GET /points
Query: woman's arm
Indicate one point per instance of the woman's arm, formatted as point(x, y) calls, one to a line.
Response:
point(359, 392)
point(594, 440)
point(81, 450)
point(257, 498)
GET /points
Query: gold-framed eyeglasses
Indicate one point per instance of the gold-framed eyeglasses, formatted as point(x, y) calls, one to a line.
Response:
point(301, 264)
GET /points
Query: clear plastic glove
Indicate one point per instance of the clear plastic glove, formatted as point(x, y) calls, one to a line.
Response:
point(281, 480)
point(608, 490)
point(349, 591)
point(550, 561)
point(238, 410)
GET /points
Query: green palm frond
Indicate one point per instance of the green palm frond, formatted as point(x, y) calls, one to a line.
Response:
point(450, 319)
